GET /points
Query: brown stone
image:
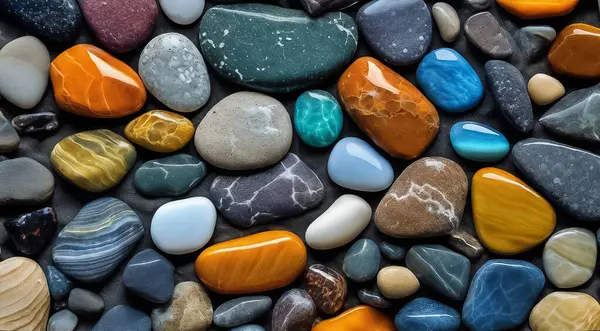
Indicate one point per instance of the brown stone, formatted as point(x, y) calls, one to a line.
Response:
point(575, 51)
point(190, 309)
point(326, 287)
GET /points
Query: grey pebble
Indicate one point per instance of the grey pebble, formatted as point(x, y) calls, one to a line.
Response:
point(362, 260)
point(249, 327)
point(373, 299)
point(392, 252)
point(63, 320)
point(478, 4)
point(241, 311)
point(466, 244)
point(446, 20)
point(151, 276)
point(85, 303)
point(9, 139)
point(534, 40)
point(484, 31)
point(24, 182)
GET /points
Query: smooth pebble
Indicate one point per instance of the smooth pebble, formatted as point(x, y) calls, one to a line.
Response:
point(447, 21)
point(397, 282)
point(570, 257)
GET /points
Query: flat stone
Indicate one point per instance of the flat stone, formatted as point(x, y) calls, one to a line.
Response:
point(183, 226)
point(295, 310)
point(160, 131)
point(566, 175)
point(245, 131)
point(565, 311)
point(426, 200)
point(544, 89)
point(572, 52)
point(249, 327)
point(319, 48)
point(241, 311)
point(357, 318)
point(123, 317)
point(173, 70)
point(362, 260)
point(355, 165)
point(478, 4)
point(318, 118)
point(484, 31)
point(398, 31)
point(269, 195)
point(397, 282)
point(388, 108)
point(570, 257)
point(392, 252)
point(316, 7)
point(95, 242)
point(32, 232)
point(465, 243)
point(86, 304)
point(534, 40)
point(449, 81)
point(9, 139)
point(478, 142)
point(534, 9)
point(151, 276)
point(182, 12)
point(189, 310)
point(510, 94)
point(501, 295)
point(170, 176)
point(373, 299)
point(427, 314)
point(63, 320)
point(327, 288)
point(35, 182)
point(447, 21)
point(58, 284)
point(44, 122)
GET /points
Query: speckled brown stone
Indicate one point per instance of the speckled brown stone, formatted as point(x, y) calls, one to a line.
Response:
point(326, 287)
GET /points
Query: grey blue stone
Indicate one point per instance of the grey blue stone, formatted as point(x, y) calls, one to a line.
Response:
point(63, 320)
point(151, 276)
point(392, 252)
point(424, 314)
point(31, 232)
point(58, 284)
point(373, 299)
point(85, 303)
point(534, 40)
point(173, 175)
point(9, 139)
point(484, 31)
point(295, 310)
point(35, 182)
point(316, 7)
point(465, 243)
point(249, 327)
point(318, 118)
point(123, 317)
point(44, 122)
point(241, 311)
point(362, 260)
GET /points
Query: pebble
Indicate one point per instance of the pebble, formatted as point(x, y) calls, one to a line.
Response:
point(357, 318)
point(32, 232)
point(570, 257)
point(478, 142)
point(124, 317)
point(449, 81)
point(565, 311)
point(318, 118)
point(183, 226)
point(182, 12)
point(58, 284)
point(86, 304)
point(9, 139)
point(173, 70)
point(189, 310)
point(63, 320)
point(397, 282)
point(35, 182)
point(534, 40)
point(249, 327)
point(151, 276)
point(318, 48)
point(478, 4)
point(373, 299)
point(398, 31)
point(392, 252)
point(426, 314)
point(510, 94)
point(426, 200)
point(465, 243)
point(446, 20)
point(544, 89)
point(294, 310)
point(316, 7)
point(241, 311)
point(355, 165)
point(343, 221)
point(484, 31)
point(501, 295)
point(245, 131)
point(44, 122)
point(95, 160)
point(535, 9)
point(566, 175)
point(95, 242)
point(572, 52)
point(362, 260)
point(160, 131)
point(287, 189)
point(327, 288)
point(170, 176)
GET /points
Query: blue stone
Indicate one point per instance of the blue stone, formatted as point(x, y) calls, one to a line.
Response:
point(362, 261)
point(58, 284)
point(169, 176)
point(318, 118)
point(150, 276)
point(392, 252)
point(443, 269)
point(124, 318)
point(356, 165)
point(501, 295)
point(478, 142)
point(449, 81)
point(424, 314)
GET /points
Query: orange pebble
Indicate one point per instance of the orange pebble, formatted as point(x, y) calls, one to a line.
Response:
point(359, 318)
point(575, 51)
point(531, 9)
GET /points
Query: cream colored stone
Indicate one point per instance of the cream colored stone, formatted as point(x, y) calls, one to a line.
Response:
point(570, 257)
point(397, 282)
point(565, 311)
point(446, 20)
point(190, 309)
point(544, 89)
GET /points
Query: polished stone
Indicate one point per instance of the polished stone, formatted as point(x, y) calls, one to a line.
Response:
point(465, 243)
point(173, 175)
point(86, 304)
point(534, 40)
point(357, 318)
point(397, 282)
point(392, 252)
point(182, 12)
point(35, 182)
point(32, 232)
point(44, 122)
point(240, 311)
point(295, 310)
point(326, 287)
point(535, 9)
point(478, 142)
point(317, 7)
point(318, 118)
point(447, 21)
point(160, 131)
point(570, 257)
point(58, 284)
point(573, 51)
point(362, 260)
point(423, 314)
point(484, 31)
point(189, 310)
point(9, 138)
point(150, 276)
point(373, 299)
point(63, 320)
point(123, 317)
point(249, 327)
point(544, 89)
point(565, 311)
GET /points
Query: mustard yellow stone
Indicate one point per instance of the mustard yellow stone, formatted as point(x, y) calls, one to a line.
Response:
point(160, 131)
point(509, 216)
point(565, 311)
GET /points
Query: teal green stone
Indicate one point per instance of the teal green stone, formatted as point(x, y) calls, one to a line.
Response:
point(170, 176)
point(274, 49)
point(318, 118)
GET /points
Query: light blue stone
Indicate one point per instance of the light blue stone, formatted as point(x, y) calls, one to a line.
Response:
point(318, 118)
point(449, 81)
point(392, 252)
point(362, 261)
point(58, 284)
point(424, 314)
point(356, 165)
point(502, 294)
point(478, 142)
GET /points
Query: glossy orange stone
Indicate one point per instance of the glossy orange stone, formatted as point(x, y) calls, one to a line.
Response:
point(359, 318)
point(575, 51)
point(90, 82)
point(531, 9)
point(256, 263)
point(388, 108)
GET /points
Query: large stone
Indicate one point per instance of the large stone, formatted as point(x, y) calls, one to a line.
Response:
point(160, 131)
point(24, 182)
point(43, 122)
point(9, 138)
point(327, 288)
point(357, 318)
point(151, 276)
point(362, 260)
point(86, 304)
point(427, 314)
point(241, 311)
point(31, 232)
point(173, 175)
point(534, 9)
point(534, 40)
point(189, 310)
point(570, 257)
point(318, 118)
point(484, 31)
point(478, 142)
point(123, 317)
point(294, 310)
point(572, 52)
point(182, 12)
point(565, 311)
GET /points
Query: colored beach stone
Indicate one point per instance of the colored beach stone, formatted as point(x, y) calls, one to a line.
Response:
point(85, 303)
point(294, 310)
point(326, 287)
point(534, 40)
point(9, 138)
point(44, 122)
point(125, 318)
point(317, 47)
point(362, 260)
point(373, 299)
point(58, 284)
point(570, 257)
point(92, 83)
point(241, 311)
point(31, 232)
point(533, 9)
point(466, 244)
point(357, 319)
point(392, 252)
point(426, 314)
point(397, 282)
point(388, 108)
point(318, 118)
point(151, 276)
point(93, 160)
point(256, 263)
point(484, 31)
point(572, 52)
point(63, 320)
point(544, 89)
point(35, 183)
point(446, 20)
point(478, 142)
point(173, 175)
point(565, 311)
point(160, 131)
point(189, 310)
point(182, 12)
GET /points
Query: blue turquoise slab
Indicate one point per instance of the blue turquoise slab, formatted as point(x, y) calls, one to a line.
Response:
point(58, 284)
point(478, 142)
point(449, 81)
point(424, 314)
point(362, 260)
point(318, 118)
point(502, 294)
point(169, 176)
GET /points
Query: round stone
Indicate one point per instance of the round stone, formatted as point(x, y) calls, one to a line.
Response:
point(173, 175)
point(35, 183)
point(362, 260)
point(318, 118)
point(544, 89)
point(570, 257)
point(160, 131)
point(478, 142)
point(182, 12)
point(397, 282)
point(446, 20)
point(565, 311)
point(63, 320)
point(189, 310)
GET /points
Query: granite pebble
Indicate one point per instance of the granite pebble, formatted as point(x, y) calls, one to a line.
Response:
point(44, 122)
point(295, 310)
point(170, 176)
point(35, 182)
point(190, 309)
point(241, 311)
point(85, 304)
point(151, 276)
point(32, 232)
point(362, 260)
point(484, 31)
point(124, 317)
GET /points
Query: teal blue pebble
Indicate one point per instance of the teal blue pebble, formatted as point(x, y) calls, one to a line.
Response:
point(318, 118)
point(478, 142)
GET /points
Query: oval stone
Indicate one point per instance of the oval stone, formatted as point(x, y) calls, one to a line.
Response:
point(63, 320)
point(35, 182)
point(572, 52)
point(362, 260)
point(570, 257)
point(241, 311)
point(173, 175)
point(534, 9)
point(327, 288)
point(160, 131)
point(189, 310)
point(447, 21)
point(317, 47)
point(182, 12)
point(256, 263)
point(544, 89)
point(294, 310)
point(373, 299)
point(565, 311)
point(357, 318)
point(318, 118)
point(478, 142)
point(426, 314)
point(397, 282)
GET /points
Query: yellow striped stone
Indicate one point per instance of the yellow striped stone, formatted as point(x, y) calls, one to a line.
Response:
point(570, 257)
point(565, 311)
point(160, 131)
point(93, 160)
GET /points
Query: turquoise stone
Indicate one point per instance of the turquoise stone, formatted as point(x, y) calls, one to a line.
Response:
point(274, 49)
point(424, 314)
point(478, 142)
point(362, 261)
point(501, 295)
point(318, 118)
point(170, 176)
point(449, 81)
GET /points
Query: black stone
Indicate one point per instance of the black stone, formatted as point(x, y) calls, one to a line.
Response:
point(150, 276)
point(85, 304)
point(9, 139)
point(373, 299)
point(31, 232)
point(35, 123)
point(484, 31)
point(124, 318)
point(316, 7)
point(535, 40)
point(24, 181)
point(392, 252)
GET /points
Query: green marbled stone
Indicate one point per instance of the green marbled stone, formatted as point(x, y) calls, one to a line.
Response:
point(276, 49)
point(170, 176)
point(318, 118)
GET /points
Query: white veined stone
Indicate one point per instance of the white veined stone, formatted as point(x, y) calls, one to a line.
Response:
point(182, 12)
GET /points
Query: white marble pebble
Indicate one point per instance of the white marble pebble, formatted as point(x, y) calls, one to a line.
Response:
point(182, 12)
point(446, 20)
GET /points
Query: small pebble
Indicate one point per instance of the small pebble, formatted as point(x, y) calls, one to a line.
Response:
point(150, 276)
point(446, 20)
point(362, 260)
point(182, 12)
point(250, 327)
point(466, 244)
point(9, 138)
point(392, 252)
point(534, 40)
point(241, 311)
point(124, 318)
point(58, 284)
point(85, 304)
point(484, 31)
point(426, 314)
point(189, 310)
point(295, 310)
point(327, 288)
point(160, 131)
point(44, 122)
point(397, 282)
point(63, 320)
point(31, 232)
point(318, 118)
point(570, 257)
point(544, 89)
point(373, 299)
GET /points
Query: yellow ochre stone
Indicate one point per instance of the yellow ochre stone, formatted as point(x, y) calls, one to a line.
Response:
point(160, 131)
point(565, 311)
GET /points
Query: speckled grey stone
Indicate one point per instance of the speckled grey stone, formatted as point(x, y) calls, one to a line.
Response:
point(466, 244)
point(173, 70)
point(534, 40)
point(294, 310)
point(373, 299)
point(392, 252)
point(35, 182)
point(478, 4)
point(484, 31)
point(63, 320)
point(362, 260)
point(9, 139)
point(85, 303)
point(249, 327)
point(241, 311)
point(316, 7)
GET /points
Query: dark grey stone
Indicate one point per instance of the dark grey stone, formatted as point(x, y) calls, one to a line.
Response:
point(373, 299)
point(85, 303)
point(58, 284)
point(124, 318)
point(241, 311)
point(484, 31)
point(9, 139)
point(249, 327)
point(466, 244)
point(392, 252)
point(316, 7)
point(294, 310)
point(478, 4)
point(170, 176)
point(534, 40)
point(44, 122)
point(150, 276)
point(362, 260)
point(24, 182)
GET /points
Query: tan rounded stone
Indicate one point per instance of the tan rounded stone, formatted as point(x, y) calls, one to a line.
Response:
point(190, 309)
point(565, 311)
point(544, 89)
point(397, 282)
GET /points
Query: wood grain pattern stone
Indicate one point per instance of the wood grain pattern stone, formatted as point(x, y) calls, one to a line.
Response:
point(565, 311)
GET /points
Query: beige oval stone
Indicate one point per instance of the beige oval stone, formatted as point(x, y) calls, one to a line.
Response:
point(397, 282)
point(565, 311)
point(545, 89)
point(24, 295)
point(190, 309)
point(446, 20)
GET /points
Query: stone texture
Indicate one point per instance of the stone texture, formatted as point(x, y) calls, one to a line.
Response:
point(32, 232)
point(392, 252)
point(123, 317)
point(570, 257)
point(318, 118)
point(63, 320)
point(446, 20)
point(85, 303)
point(572, 52)
point(362, 260)
point(544, 89)
point(189, 310)
point(295, 310)
point(241, 311)
point(357, 318)
point(327, 288)
point(43, 122)
point(373, 299)
point(151, 276)
point(534, 9)
point(534, 40)
point(58, 284)
point(160, 131)
point(478, 142)
point(173, 175)
point(182, 12)
point(484, 31)
point(565, 311)
point(249, 327)
point(427, 314)
point(465, 243)
point(316, 7)
point(35, 182)
point(9, 139)
point(397, 282)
